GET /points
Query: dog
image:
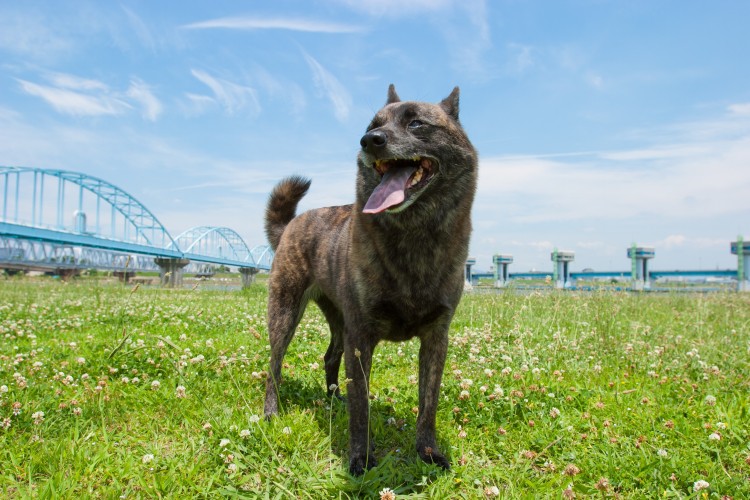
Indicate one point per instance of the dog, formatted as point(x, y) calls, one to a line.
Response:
point(390, 266)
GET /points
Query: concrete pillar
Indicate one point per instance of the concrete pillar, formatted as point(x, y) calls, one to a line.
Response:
point(562, 260)
point(123, 276)
point(467, 272)
point(639, 257)
point(248, 275)
point(170, 271)
point(501, 263)
point(741, 249)
point(66, 273)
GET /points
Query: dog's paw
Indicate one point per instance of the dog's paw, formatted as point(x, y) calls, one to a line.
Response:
point(358, 464)
point(433, 456)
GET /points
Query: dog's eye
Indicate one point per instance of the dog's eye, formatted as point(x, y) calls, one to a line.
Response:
point(415, 123)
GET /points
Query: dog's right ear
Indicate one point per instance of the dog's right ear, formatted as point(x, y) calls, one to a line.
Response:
point(392, 95)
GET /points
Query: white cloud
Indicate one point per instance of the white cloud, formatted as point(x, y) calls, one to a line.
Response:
point(520, 57)
point(256, 23)
point(141, 93)
point(742, 109)
point(397, 8)
point(684, 180)
point(78, 96)
point(140, 29)
point(75, 103)
point(74, 82)
point(233, 97)
point(331, 87)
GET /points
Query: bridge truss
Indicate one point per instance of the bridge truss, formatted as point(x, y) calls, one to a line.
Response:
point(57, 219)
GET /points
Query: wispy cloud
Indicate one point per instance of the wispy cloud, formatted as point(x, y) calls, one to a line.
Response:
point(141, 30)
point(397, 8)
point(279, 23)
point(78, 96)
point(75, 103)
point(233, 97)
point(141, 93)
point(328, 84)
point(462, 23)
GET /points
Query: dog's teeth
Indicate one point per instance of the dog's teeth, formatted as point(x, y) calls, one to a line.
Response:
point(417, 177)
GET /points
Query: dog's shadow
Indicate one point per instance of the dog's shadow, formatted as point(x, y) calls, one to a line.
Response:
point(392, 431)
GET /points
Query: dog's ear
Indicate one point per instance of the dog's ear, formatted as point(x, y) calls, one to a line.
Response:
point(450, 104)
point(392, 95)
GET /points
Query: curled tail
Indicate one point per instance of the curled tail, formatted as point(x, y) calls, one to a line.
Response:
point(282, 205)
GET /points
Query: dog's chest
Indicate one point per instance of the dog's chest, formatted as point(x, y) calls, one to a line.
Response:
point(402, 318)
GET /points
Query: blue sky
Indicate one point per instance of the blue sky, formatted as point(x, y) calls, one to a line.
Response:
point(598, 123)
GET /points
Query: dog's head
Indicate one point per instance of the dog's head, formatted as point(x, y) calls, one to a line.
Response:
point(415, 156)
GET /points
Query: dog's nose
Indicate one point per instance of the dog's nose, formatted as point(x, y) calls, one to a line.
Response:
point(373, 139)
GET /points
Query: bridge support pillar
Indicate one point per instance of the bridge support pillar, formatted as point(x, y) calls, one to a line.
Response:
point(639, 257)
point(66, 273)
point(123, 276)
point(170, 271)
point(501, 263)
point(562, 259)
point(248, 275)
point(741, 249)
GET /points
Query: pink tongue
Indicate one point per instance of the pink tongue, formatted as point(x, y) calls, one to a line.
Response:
point(391, 190)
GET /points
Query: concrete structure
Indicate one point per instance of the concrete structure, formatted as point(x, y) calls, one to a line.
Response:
point(467, 271)
point(501, 263)
point(561, 274)
point(171, 270)
point(248, 275)
point(741, 249)
point(639, 257)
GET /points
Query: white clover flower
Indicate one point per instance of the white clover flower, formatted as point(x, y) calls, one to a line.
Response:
point(554, 413)
point(254, 419)
point(223, 443)
point(155, 385)
point(710, 400)
point(700, 485)
point(287, 430)
point(148, 457)
point(245, 433)
point(721, 425)
point(180, 391)
point(492, 491)
point(662, 452)
point(3, 389)
point(714, 436)
point(38, 417)
point(387, 494)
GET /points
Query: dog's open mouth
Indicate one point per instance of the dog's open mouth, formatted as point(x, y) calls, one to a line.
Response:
point(401, 180)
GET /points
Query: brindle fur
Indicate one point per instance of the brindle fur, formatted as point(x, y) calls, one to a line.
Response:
point(385, 276)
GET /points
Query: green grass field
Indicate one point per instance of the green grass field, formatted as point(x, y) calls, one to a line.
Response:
point(113, 391)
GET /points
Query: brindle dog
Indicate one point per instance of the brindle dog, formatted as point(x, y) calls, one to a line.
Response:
point(388, 267)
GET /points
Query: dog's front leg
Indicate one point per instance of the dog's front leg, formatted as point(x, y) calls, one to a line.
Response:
point(432, 352)
point(358, 360)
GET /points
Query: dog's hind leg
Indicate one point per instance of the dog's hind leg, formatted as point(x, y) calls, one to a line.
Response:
point(332, 358)
point(285, 309)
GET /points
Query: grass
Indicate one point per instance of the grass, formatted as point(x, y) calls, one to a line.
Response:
point(115, 391)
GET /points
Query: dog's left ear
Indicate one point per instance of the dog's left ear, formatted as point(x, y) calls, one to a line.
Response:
point(392, 95)
point(450, 104)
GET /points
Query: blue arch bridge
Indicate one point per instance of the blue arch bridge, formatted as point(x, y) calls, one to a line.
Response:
point(63, 222)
